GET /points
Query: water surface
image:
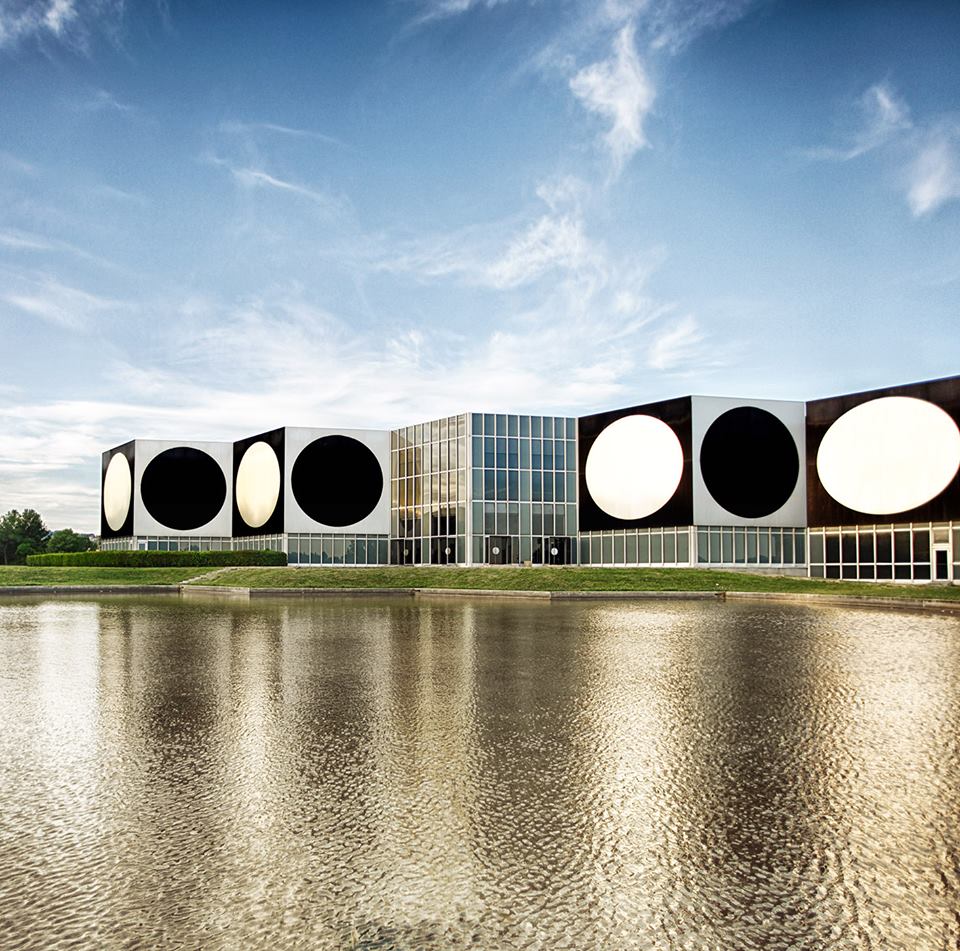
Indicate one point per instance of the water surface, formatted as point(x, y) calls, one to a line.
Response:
point(476, 774)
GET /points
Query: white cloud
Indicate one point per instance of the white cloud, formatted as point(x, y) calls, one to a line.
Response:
point(56, 303)
point(882, 115)
point(550, 242)
point(441, 9)
point(65, 20)
point(676, 347)
point(236, 127)
point(619, 90)
point(934, 176)
point(252, 178)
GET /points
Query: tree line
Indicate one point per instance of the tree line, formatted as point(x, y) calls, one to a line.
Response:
point(24, 533)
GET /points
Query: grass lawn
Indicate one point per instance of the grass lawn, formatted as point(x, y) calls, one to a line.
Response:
point(562, 579)
point(12, 575)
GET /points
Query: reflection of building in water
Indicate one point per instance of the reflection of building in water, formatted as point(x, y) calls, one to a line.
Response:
point(856, 486)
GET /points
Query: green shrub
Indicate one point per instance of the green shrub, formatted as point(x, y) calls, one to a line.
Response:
point(158, 559)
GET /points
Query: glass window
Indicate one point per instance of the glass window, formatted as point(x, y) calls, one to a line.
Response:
point(726, 547)
point(631, 546)
point(511, 425)
point(489, 519)
point(488, 426)
point(739, 546)
point(525, 519)
point(884, 547)
point(478, 483)
point(763, 544)
point(350, 551)
point(524, 453)
point(537, 519)
point(435, 430)
point(548, 427)
point(560, 521)
point(535, 427)
point(548, 454)
point(501, 446)
point(489, 484)
point(656, 548)
point(462, 425)
point(799, 539)
point(501, 425)
point(571, 478)
point(537, 481)
point(513, 484)
point(584, 550)
point(669, 547)
point(513, 518)
point(618, 549)
point(683, 548)
point(548, 526)
point(526, 546)
point(833, 547)
point(571, 455)
point(361, 551)
point(921, 547)
point(751, 546)
point(558, 454)
point(501, 485)
point(476, 424)
point(524, 425)
point(848, 547)
point(443, 429)
point(502, 518)
point(547, 486)
point(776, 551)
point(513, 453)
point(571, 428)
point(606, 549)
point(536, 457)
point(703, 546)
point(525, 486)
point(901, 547)
point(559, 483)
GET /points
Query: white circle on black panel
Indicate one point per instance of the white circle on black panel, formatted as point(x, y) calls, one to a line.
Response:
point(634, 466)
point(183, 488)
point(337, 480)
point(749, 462)
point(889, 455)
point(117, 491)
point(258, 484)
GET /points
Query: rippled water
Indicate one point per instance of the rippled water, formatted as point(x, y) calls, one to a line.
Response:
point(451, 774)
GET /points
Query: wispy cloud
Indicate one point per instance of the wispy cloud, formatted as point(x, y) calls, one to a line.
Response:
point(441, 9)
point(15, 164)
point(934, 175)
point(882, 115)
point(676, 346)
point(619, 90)
point(236, 127)
point(48, 299)
point(99, 100)
point(257, 178)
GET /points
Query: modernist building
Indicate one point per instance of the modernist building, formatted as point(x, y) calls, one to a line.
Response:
point(857, 486)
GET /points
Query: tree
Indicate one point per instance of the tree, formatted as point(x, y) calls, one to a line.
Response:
point(68, 540)
point(21, 534)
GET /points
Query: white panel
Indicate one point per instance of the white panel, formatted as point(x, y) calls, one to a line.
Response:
point(706, 511)
point(634, 466)
point(117, 491)
point(889, 455)
point(296, 520)
point(258, 484)
point(147, 450)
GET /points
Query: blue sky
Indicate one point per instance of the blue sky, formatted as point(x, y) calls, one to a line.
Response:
point(219, 219)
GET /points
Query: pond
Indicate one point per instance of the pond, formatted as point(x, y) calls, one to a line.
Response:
point(391, 773)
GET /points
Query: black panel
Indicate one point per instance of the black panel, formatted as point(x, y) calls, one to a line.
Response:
point(679, 510)
point(273, 525)
point(749, 462)
point(183, 488)
point(337, 481)
point(823, 509)
point(126, 530)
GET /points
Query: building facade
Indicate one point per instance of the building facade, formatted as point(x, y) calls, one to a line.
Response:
point(861, 486)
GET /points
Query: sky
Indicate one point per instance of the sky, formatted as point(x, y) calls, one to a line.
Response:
point(220, 219)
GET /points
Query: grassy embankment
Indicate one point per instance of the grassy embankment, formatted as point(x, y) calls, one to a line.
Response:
point(16, 575)
point(562, 579)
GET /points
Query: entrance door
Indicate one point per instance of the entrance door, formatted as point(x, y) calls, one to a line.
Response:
point(941, 562)
point(499, 550)
point(557, 551)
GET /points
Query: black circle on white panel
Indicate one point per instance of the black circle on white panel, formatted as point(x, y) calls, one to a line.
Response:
point(183, 488)
point(337, 480)
point(749, 462)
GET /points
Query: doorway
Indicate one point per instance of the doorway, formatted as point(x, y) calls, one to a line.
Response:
point(941, 562)
point(499, 550)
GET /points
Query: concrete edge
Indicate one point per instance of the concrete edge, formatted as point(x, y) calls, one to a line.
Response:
point(847, 600)
point(59, 589)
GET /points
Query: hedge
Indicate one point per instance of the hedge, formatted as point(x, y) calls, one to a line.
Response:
point(158, 559)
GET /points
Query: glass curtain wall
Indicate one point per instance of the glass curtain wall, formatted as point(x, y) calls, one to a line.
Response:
point(429, 492)
point(923, 551)
point(638, 546)
point(523, 489)
point(748, 545)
